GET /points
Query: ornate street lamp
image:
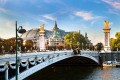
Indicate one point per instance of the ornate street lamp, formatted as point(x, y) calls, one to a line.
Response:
point(64, 44)
point(78, 44)
point(2, 48)
point(34, 43)
point(86, 46)
point(20, 30)
point(56, 44)
point(11, 47)
point(71, 44)
point(82, 46)
point(25, 49)
point(89, 46)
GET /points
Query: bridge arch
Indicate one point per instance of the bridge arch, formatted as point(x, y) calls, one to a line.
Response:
point(78, 60)
point(66, 57)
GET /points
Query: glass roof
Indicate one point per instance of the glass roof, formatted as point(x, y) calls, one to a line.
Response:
point(34, 33)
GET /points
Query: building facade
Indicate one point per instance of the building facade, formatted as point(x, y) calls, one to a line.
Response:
point(53, 37)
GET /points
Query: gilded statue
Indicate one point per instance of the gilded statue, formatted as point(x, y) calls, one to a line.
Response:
point(42, 28)
point(106, 24)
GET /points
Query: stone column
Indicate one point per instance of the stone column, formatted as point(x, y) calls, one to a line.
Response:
point(42, 39)
point(107, 36)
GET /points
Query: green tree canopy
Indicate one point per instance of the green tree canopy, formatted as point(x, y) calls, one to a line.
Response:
point(75, 39)
point(115, 43)
point(99, 46)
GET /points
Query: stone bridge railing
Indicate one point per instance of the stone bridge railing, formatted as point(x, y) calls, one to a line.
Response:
point(25, 60)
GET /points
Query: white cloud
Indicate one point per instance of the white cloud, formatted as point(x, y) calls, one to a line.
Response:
point(48, 1)
point(26, 26)
point(49, 17)
point(7, 28)
point(7, 12)
point(10, 24)
point(113, 11)
point(86, 15)
point(96, 38)
point(43, 21)
point(2, 10)
point(54, 1)
point(113, 3)
point(3, 2)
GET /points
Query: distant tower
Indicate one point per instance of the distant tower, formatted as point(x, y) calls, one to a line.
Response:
point(42, 39)
point(55, 26)
point(86, 35)
point(106, 30)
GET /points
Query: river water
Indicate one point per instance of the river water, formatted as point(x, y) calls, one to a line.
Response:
point(76, 73)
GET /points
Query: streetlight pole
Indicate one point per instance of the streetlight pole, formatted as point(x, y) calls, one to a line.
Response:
point(89, 46)
point(16, 54)
point(2, 49)
point(82, 45)
point(20, 31)
point(86, 46)
point(71, 45)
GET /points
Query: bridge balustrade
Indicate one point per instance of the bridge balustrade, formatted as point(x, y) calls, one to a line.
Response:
point(29, 60)
point(24, 60)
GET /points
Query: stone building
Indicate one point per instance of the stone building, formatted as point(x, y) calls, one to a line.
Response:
point(53, 37)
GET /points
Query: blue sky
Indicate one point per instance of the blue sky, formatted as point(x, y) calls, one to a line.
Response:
point(71, 15)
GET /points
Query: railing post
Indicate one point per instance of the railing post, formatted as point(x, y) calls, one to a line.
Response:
point(6, 72)
point(18, 69)
point(27, 67)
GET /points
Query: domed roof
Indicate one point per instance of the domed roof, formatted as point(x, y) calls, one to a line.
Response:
point(34, 34)
point(54, 33)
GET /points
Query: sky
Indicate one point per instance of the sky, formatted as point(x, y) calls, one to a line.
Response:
point(71, 15)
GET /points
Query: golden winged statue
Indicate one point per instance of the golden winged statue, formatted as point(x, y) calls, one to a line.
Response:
point(106, 24)
point(42, 27)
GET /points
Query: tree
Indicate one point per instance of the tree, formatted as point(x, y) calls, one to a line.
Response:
point(115, 43)
point(74, 39)
point(117, 35)
point(99, 46)
point(29, 44)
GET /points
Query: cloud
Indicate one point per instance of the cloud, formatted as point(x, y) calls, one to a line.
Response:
point(86, 15)
point(96, 38)
point(43, 21)
point(7, 28)
point(26, 26)
point(3, 1)
point(114, 3)
point(48, 1)
point(49, 17)
point(113, 11)
point(2, 10)
point(10, 24)
point(54, 1)
point(8, 12)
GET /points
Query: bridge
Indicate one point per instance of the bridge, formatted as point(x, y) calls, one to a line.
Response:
point(29, 63)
